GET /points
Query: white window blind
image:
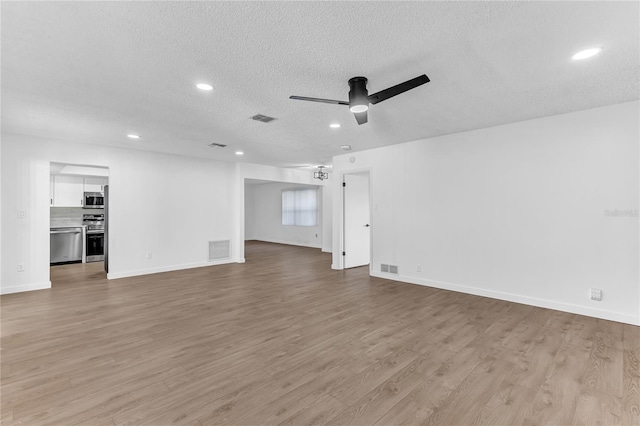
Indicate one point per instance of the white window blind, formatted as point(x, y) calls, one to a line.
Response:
point(300, 207)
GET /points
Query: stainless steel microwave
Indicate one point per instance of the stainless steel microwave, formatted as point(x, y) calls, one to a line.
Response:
point(93, 200)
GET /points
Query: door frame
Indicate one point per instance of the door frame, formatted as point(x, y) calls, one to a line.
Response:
point(341, 221)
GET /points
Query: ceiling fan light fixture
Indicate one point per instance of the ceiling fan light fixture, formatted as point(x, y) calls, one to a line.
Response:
point(358, 108)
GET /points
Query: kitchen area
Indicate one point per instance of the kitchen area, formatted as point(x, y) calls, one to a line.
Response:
point(78, 199)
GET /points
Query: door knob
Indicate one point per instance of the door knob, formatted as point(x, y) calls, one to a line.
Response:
point(367, 225)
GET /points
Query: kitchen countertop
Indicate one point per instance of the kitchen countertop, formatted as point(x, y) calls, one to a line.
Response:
point(64, 223)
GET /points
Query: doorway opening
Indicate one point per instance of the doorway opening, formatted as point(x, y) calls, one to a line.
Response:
point(283, 213)
point(78, 222)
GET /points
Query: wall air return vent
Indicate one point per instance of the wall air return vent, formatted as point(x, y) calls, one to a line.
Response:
point(390, 269)
point(217, 145)
point(219, 250)
point(263, 118)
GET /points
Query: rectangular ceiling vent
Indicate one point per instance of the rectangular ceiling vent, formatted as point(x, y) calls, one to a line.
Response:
point(219, 250)
point(217, 145)
point(263, 118)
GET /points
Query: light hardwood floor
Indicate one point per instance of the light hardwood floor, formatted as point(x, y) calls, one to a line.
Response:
point(283, 339)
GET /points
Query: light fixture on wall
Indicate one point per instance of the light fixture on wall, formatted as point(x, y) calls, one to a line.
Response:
point(320, 174)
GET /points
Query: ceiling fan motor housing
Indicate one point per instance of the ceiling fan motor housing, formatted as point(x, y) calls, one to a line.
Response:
point(358, 94)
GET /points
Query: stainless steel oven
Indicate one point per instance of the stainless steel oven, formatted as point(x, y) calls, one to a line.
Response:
point(94, 244)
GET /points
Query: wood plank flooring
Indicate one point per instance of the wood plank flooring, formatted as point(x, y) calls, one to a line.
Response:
point(283, 339)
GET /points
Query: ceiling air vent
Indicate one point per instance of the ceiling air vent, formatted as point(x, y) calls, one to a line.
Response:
point(217, 145)
point(263, 118)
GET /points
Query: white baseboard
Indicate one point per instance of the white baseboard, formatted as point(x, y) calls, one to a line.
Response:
point(289, 243)
point(138, 272)
point(25, 287)
point(510, 297)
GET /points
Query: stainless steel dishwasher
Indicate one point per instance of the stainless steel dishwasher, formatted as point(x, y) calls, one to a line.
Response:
point(66, 245)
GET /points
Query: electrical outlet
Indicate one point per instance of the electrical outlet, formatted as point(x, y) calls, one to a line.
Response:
point(596, 294)
point(22, 214)
point(20, 267)
point(149, 255)
point(419, 268)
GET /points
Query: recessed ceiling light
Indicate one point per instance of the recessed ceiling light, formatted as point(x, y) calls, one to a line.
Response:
point(334, 125)
point(132, 136)
point(239, 153)
point(587, 53)
point(204, 86)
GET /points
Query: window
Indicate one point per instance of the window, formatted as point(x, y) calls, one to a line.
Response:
point(300, 207)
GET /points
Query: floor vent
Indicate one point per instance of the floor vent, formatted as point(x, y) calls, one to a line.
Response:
point(263, 118)
point(384, 268)
point(217, 145)
point(219, 250)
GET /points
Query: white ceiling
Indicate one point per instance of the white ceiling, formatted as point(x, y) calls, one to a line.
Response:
point(92, 72)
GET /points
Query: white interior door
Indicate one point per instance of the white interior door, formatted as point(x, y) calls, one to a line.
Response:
point(357, 225)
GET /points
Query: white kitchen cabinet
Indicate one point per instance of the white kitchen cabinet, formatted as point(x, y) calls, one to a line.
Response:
point(94, 184)
point(68, 191)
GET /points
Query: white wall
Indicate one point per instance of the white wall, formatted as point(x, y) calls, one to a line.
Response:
point(514, 212)
point(266, 216)
point(1, 215)
point(249, 212)
point(168, 205)
point(327, 217)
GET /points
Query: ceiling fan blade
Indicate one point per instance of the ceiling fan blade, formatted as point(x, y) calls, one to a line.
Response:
point(398, 88)
point(361, 117)
point(326, 101)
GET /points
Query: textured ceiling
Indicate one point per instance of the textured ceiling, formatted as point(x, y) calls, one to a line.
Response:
point(91, 72)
